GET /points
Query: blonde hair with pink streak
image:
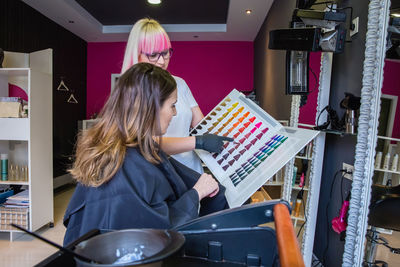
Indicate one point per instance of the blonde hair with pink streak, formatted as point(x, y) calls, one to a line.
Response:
point(147, 36)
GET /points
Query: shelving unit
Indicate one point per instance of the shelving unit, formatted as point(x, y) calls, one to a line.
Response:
point(28, 141)
point(277, 181)
point(381, 176)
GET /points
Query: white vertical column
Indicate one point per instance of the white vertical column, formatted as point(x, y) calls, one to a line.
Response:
point(317, 160)
point(294, 121)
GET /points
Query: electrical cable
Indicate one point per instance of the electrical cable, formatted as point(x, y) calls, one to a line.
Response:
point(304, 211)
point(341, 188)
point(327, 217)
point(332, 119)
point(325, 108)
point(330, 7)
point(351, 24)
point(316, 80)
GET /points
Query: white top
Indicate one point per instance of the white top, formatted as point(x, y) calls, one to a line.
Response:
point(180, 124)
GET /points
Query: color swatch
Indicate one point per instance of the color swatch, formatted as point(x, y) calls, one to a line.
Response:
point(260, 148)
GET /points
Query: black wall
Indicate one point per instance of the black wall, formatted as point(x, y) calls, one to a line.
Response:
point(269, 65)
point(346, 77)
point(23, 29)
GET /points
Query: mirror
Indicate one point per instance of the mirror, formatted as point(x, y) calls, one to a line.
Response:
point(382, 221)
point(371, 94)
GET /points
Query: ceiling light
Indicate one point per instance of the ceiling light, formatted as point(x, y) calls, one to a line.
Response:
point(154, 2)
point(397, 15)
point(248, 11)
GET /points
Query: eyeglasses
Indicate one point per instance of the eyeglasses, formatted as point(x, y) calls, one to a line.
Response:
point(154, 57)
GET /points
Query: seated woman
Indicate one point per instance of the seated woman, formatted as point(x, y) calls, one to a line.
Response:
point(124, 179)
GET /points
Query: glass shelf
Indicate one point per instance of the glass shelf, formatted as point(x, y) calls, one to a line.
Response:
point(340, 133)
point(355, 134)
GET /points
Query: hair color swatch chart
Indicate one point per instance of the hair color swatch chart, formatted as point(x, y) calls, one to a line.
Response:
point(260, 148)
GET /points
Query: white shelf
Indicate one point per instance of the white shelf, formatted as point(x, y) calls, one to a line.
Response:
point(296, 187)
point(274, 183)
point(17, 129)
point(297, 218)
point(11, 231)
point(36, 132)
point(388, 138)
point(303, 157)
point(382, 170)
point(15, 182)
point(305, 188)
point(14, 71)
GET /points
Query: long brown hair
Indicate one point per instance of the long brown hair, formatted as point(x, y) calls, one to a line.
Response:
point(129, 118)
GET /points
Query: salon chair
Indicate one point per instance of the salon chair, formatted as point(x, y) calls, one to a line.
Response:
point(228, 238)
point(384, 212)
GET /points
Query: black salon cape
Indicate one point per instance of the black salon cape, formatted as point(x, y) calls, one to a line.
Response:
point(140, 195)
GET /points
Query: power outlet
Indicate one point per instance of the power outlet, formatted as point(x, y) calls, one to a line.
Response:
point(348, 168)
point(355, 23)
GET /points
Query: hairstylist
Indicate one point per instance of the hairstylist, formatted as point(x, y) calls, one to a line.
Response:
point(148, 42)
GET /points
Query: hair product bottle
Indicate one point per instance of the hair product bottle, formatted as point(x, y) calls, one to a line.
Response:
point(395, 162)
point(386, 162)
point(4, 167)
point(378, 160)
point(294, 175)
point(297, 207)
point(301, 184)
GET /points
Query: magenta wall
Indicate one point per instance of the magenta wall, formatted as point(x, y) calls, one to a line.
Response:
point(211, 69)
point(102, 60)
point(391, 86)
point(308, 111)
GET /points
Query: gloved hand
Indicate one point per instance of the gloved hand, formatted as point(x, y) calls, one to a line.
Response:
point(211, 142)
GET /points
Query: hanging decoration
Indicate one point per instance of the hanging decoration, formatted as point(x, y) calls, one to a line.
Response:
point(62, 86)
point(72, 99)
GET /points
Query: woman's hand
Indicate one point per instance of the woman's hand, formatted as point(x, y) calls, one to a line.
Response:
point(206, 186)
point(211, 142)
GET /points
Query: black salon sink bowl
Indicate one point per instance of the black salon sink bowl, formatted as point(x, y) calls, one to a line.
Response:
point(132, 247)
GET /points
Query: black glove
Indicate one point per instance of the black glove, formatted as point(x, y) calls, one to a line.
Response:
point(211, 142)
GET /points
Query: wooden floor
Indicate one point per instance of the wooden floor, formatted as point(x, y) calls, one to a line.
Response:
point(384, 253)
point(27, 251)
